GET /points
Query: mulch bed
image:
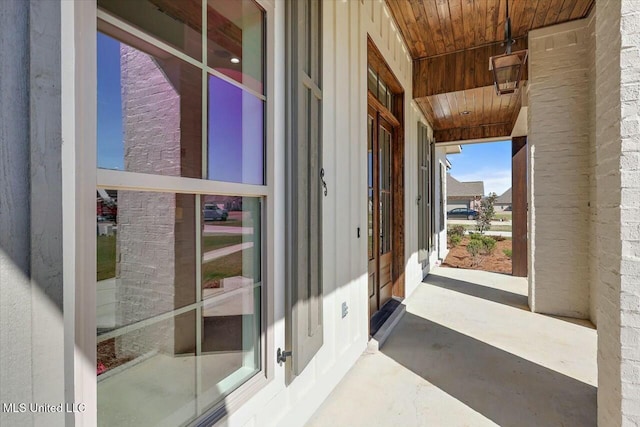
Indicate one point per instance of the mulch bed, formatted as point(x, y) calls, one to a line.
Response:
point(497, 262)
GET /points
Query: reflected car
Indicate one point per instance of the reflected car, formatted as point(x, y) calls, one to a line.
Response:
point(462, 213)
point(214, 213)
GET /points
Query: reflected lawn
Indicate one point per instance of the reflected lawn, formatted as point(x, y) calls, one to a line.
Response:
point(106, 267)
point(210, 243)
point(229, 266)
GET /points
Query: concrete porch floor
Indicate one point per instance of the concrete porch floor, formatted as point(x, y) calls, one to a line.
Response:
point(468, 352)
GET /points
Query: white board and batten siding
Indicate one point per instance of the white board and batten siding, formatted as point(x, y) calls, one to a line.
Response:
point(345, 28)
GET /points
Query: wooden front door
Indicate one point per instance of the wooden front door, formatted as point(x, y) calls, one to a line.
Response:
point(380, 209)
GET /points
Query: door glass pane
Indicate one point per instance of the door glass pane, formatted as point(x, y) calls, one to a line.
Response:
point(372, 82)
point(384, 141)
point(235, 45)
point(149, 112)
point(370, 186)
point(236, 134)
point(385, 222)
point(178, 24)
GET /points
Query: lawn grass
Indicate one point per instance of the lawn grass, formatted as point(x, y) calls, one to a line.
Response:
point(210, 243)
point(505, 217)
point(106, 267)
point(472, 227)
point(228, 266)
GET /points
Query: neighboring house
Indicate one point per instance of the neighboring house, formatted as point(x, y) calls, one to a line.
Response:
point(464, 194)
point(327, 123)
point(503, 202)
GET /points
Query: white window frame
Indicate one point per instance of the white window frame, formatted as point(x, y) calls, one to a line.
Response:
point(81, 177)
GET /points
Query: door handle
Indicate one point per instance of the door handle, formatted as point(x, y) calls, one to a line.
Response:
point(324, 184)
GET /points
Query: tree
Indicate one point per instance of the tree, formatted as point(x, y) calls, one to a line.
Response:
point(486, 213)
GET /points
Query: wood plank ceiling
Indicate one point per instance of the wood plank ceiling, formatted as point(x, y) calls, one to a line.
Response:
point(451, 42)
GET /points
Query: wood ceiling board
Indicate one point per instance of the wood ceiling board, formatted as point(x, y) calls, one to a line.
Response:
point(410, 26)
point(457, 22)
point(425, 107)
point(483, 104)
point(553, 12)
point(469, 23)
point(444, 15)
point(429, 11)
point(525, 20)
point(493, 11)
point(541, 13)
point(481, 22)
point(457, 71)
point(436, 27)
point(477, 132)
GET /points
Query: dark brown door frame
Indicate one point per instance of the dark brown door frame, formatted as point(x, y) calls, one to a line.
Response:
point(519, 205)
point(394, 116)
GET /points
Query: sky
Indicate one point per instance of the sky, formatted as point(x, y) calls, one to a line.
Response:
point(110, 146)
point(488, 162)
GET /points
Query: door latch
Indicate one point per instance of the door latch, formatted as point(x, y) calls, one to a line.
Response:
point(282, 356)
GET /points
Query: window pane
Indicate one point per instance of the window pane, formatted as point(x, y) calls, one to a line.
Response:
point(150, 377)
point(178, 24)
point(230, 244)
point(146, 255)
point(165, 354)
point(235, 47)
point(149, 112)
point(236, 134)
point(372, 82)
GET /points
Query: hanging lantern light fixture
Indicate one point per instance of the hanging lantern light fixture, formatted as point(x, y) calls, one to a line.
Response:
point(509, 67)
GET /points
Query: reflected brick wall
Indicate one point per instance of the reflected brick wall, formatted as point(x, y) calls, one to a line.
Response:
point(156, 248)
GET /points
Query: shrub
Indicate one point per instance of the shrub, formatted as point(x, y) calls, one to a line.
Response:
point(499, 238)
point(475, 248)
point(475, 236)
point(508, 252)
point(457, 230)
point(488, 245)
point(454, 240)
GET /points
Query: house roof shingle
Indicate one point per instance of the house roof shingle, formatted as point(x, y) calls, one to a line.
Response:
point(504, 198)
point(470, 189)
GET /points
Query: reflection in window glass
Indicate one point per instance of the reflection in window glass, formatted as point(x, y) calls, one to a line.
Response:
point(385, 189)
point(236, 40)
point(236, 134)
point(175, 23)
point(149, 112)
point(166, 353)
point(370, 186)
point(230, 274)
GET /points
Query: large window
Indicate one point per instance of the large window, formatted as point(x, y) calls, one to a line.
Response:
point(180, 206)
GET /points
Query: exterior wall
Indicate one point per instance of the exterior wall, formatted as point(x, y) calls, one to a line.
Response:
point(32, 334)
point(618, 226)
point(345, 29)
point(559, 106)
point(34, 364)
point(593, 196)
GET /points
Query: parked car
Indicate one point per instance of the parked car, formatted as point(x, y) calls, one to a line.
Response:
point(462, 213)
point(214, 213)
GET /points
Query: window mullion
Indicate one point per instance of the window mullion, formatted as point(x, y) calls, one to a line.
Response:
point(121, 180)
